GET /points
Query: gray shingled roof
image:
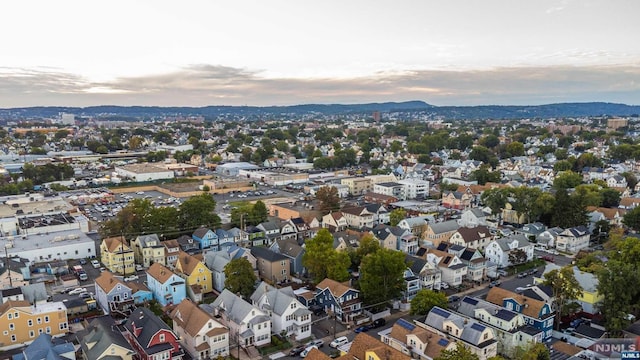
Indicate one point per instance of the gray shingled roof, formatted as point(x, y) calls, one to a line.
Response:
point(235, 307)
point(445, 226)
point(102, 331)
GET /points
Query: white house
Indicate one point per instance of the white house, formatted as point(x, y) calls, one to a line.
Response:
point(247, 324)
point(498, 250)
point(573, 239)
point(288, 315)
point(415, 188)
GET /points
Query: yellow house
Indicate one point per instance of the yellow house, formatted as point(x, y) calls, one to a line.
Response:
point(509, 215)
point(194, 271)
point(148, 250)
point(117, 256)
point(589, 297)
point(21, 323)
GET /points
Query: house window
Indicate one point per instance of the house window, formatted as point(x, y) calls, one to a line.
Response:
point(161, 337)
point(12, 327)
point(39, 321)
point(63, 326)
point(32, 333)
point(486, 336)
point(13, 338)
point(10, 316)
point(16, 315)
point(48, 330)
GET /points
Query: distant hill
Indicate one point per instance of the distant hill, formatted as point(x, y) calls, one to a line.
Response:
point(417, 107)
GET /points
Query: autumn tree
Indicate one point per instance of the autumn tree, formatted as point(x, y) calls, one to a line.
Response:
point(517, 256)
point(329, 199)
point(565, 288)
point(426, 299)
point(240, 277)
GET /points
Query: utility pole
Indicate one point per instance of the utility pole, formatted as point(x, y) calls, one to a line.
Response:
point(6, 263)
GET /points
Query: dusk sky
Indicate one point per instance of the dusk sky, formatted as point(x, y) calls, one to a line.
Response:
point(273, 52)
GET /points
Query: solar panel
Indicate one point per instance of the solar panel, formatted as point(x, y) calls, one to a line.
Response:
point(443, 342)
point(477, 327)
point(405, 324)
point(440, 312)
point(447, 259)
point(470, 300)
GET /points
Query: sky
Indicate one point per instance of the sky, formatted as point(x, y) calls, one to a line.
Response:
point(277, 52)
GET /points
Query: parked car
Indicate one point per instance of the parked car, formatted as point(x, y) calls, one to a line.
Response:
point(523, 275)
point(378, 323)
point(139, 267)
point(131, 278)
point(494, 283)
point(95, 263)
point(533, 271)
point(297, 350)
point(339, 342)
point(360, 329)
point(317, 343)
point(306, 351)
point(503, 273)
point(77, 291)
point(454, 298)
point(86, 295)
point(444, 285)
point(83, 262)
point(548, 258)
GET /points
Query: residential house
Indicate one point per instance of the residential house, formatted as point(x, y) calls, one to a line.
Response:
point(44, 348)
point(166, 286)
point(511, 216)
point(617, 181)
point(21, 322)
point(472, 237)
point(140, 292)
point(198, 277)
point(415, 341)
point(380, 213)
point(415, 188)
point(417, 225)
point(188, 245)
point(338, 299)
point(388, 235)
point(150, 337)
point(288, 230)
point(293, 251)
point(548, 237)
point(508, 326)
point(506, 250)
point(171, 250)
point(531, 231)
point(393, 189)
point(476, 263)
point(367, 347)
point(589, 297)
point(102, 339)
point(429, 275)
point(452, 268)
point(476, 337)
point(272, 267)
point(358, 217)
point(225, 239)
point(148, 250)
point(536, 313)
point(613, 216)
point(358, 185)
point(456, 200)
point(288, 315)
point(302, 229)
point(573, 239)
point(113, 294)
point(440, 231)
point(271, 231)
point(473, 217)
point(334, 221)
point(216, 262)
point(117, 256)
point(248, 325)
point(199, 333)
point(255, 236)
point(206, 239)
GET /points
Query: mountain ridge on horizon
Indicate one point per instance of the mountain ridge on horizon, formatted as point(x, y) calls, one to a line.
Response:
point(470, 112)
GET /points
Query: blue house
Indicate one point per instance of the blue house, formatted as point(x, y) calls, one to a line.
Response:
point(225, 239)
point(112, 294)
point(166, 286)
point(44, 347)
point(207, 239)
point(141, 294)
point(536, 313)
point(339, 299)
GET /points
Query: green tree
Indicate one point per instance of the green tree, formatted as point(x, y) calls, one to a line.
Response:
point(199, 211)
point(459, 353)
point(610, 197)
point(318, 254)
point(565, 289)
point(495, 199)
point(61, 134)
point(329, 199)
point(631, 179)
point(397, 215)
point(240, 277)
point(368, 245)
point(426, 299)
point(515, 148)
point(535, 351)
point(632, 218)
point(259, 212)
point(483, 175)
point(490, 141)
point(590, 194)
point(567, 180)
point(568, 211)
point(381, 276)
point(338, 268)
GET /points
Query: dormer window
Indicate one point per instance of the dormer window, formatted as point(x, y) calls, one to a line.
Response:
point(161, 337)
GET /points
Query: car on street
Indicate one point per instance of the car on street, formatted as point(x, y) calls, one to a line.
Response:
point(360, 329)
point(306, 351)
point(297, 350)
point(454, 298)
point(339, 342)
point(95, 263)
point(131, 278)
point(548, 258)
point(86, 295)
point(523, 275)
point(77, 291)
point(139, 267)
point(317, 343)
point(378, 322)
point(494, 283)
